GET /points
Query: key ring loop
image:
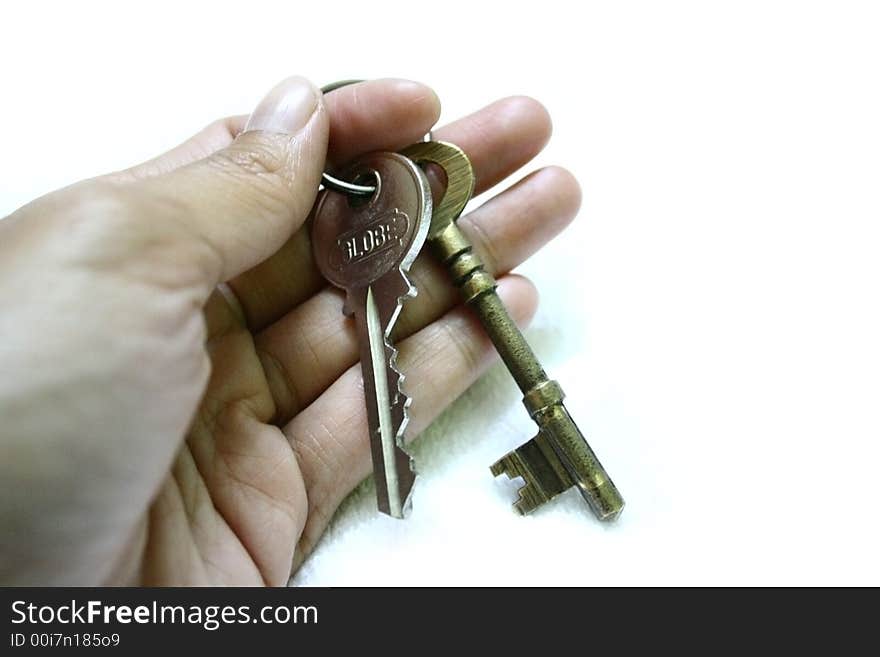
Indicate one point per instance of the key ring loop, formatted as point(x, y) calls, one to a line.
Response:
point(337, 184)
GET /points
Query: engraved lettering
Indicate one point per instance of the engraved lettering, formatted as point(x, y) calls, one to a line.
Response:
point(381, 234)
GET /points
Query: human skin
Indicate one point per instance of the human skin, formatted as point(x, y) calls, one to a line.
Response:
point(180, 393)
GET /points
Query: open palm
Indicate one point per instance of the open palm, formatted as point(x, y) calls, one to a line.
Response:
point(240, 490)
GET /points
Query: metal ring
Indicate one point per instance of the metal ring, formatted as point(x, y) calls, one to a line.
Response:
point(333, 86)
point(336, 184)
point(339, 185)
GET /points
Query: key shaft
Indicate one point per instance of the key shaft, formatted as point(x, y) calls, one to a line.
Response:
point(386, 403)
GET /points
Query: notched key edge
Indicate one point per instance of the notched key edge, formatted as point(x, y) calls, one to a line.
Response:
point(404, 457)
point(537, 464)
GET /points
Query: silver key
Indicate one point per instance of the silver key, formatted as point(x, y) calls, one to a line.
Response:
point(367, 248)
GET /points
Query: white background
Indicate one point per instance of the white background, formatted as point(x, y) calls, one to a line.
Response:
point(712, 314)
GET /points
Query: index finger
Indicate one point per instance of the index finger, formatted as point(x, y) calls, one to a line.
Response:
point(376, 114)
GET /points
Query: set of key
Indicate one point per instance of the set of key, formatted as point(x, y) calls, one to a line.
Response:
point(365, 244)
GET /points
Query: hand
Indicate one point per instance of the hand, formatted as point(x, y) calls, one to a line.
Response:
point(180, 394)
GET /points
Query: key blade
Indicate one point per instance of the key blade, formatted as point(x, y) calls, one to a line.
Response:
point(542, 472)
point(397, 478)
point(366, 249)
point(548, 470)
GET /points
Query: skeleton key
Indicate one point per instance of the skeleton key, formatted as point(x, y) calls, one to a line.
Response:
point(366, 248)
point(558, 457)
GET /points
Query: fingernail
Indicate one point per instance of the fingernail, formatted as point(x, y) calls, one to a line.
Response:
point(286, 108)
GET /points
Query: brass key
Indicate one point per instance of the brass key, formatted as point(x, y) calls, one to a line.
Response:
point(558, 457)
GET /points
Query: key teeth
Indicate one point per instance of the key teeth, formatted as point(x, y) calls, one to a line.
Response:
point(400, 396)
point(529, 495)
point(498, 469)
point(391, 351)
point(401, 399)
point(409, 290)
point(543, 476)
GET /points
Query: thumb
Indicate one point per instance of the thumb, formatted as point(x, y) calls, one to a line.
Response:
point(244, 201)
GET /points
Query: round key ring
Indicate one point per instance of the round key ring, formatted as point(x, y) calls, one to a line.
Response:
point(337, 184)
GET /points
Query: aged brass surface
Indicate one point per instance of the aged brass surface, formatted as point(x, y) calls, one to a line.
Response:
point(558, 457)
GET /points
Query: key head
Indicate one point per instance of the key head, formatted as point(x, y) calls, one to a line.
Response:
point(459, 179)
point(358, 242)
